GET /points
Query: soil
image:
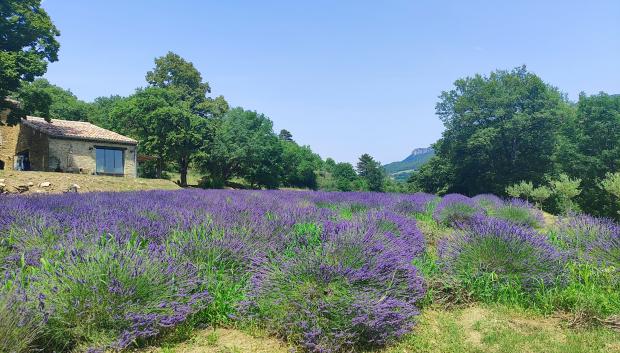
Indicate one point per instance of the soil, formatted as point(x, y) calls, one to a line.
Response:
point(14, 182)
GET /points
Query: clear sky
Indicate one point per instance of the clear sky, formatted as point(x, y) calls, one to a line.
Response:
point(345, 77)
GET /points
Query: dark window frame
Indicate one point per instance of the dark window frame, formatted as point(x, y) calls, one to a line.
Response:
point(112, 148)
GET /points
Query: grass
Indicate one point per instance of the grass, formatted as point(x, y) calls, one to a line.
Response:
point(472, 329)
point(60, 182)
point(500, 329)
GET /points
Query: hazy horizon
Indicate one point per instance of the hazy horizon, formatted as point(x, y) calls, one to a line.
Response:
point(346, 78)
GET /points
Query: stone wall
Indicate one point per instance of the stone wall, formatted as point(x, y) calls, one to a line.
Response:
point(36, 143)
point(80, 156)
point(8, 142)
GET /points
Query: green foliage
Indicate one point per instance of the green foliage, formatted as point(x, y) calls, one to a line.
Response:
point(500, 129)
point(62, 103)
point(518, 215)
point(345, 176)
point(91, 294)
point(371, 172)
point(19, 326)
point(436, 176)
point(28, 43)
point(540, 194)
point(223, 272)
point(611, 184)
point(590, 150)
point(245, 146)
point(101, 108)
point(522, 189)
point(285, 135)
point(566, 189)
point(299, 164)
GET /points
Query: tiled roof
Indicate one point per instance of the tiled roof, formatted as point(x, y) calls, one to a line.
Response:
point(77, 130)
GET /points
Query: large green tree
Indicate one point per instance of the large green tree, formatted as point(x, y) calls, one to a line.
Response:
point(101, 108)
point(61, 103)
point(590, 148)
point(27, 44)
point(173, 72)
point(500, 129)
point(299, 165)
point(166, 128)
point(173, 118)
point(245, 146)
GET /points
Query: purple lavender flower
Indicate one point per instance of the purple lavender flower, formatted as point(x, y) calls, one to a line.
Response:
point(456, 209)
point(591, 239)
point(513, 253)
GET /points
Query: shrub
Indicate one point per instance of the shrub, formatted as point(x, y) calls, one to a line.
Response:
point(566, 189)
point(519, 212)
point(19, 326)
point(488, 201)
point(492, 256)
point(419, 202)
point(108, 295)
point(590, 239)
point(456, 209)
point(221, 266)
point(355, 289)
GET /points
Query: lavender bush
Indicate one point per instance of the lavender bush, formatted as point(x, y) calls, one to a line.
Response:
point(519, 212)
point(455, 209)
point(354, 288)
point(19, 327)
point(512, 254)
point(114, 270)
point(590, 239)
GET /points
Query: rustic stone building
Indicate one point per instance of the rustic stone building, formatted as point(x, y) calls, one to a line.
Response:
point(66, 146)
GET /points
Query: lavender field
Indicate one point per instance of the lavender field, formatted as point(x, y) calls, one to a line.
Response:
point(323, 272)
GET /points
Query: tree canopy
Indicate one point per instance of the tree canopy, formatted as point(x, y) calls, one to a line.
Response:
point(59, 103)
point(371, 172)
point(500, 129)
point(245, 146)
point(27, 44)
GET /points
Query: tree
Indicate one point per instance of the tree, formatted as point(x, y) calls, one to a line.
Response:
point(345, 176)
point(173, 72)
point(243, 145)
point(60, 103)
point(187, 93)
point(591, 148)
point(285, 135)
point(27, 44)
point(165, 127)
point(500, 129)
point(299, 165)
point(371, 172)
point(101, 108)
point(566, 189)
point(611, 184)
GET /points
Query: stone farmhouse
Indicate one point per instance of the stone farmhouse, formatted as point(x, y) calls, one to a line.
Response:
point(66, 146)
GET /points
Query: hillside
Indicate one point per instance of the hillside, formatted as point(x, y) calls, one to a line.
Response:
point(36, 182)
point(401, 170)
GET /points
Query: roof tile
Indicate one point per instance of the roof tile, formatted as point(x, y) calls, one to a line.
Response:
point(78, 130)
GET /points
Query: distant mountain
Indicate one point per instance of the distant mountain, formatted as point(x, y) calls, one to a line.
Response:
point(403, 169)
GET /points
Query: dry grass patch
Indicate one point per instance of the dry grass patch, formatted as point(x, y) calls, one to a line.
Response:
point(224, 341)
point(480, 329)
point(60, 182)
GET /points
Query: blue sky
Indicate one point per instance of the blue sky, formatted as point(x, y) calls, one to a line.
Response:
point(345, 77)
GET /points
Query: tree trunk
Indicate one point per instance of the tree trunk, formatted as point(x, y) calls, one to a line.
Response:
point(160, 168)
point(183, 165)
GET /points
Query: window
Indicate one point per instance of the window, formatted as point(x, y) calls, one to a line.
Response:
point(110, 161)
